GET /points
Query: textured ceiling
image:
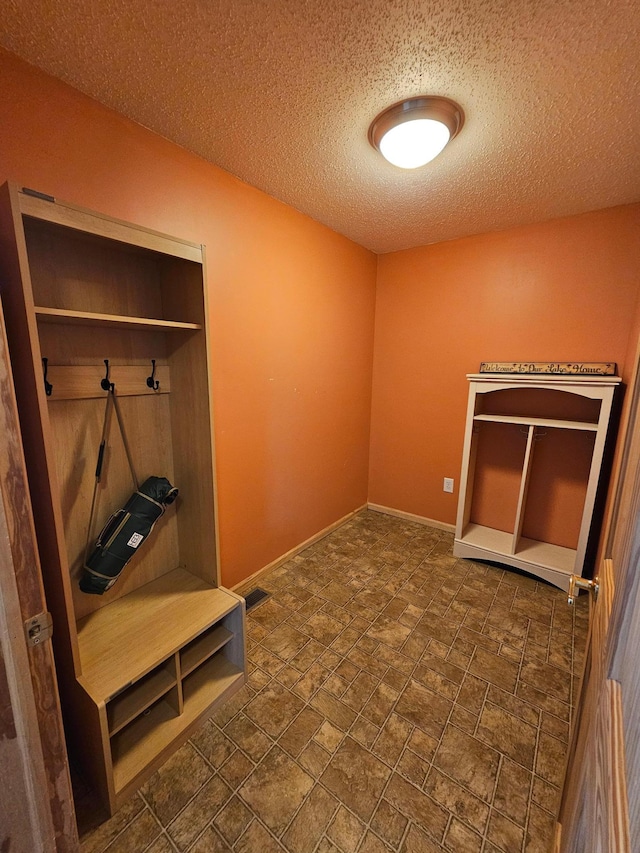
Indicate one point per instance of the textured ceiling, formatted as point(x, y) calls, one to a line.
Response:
point(281, 94)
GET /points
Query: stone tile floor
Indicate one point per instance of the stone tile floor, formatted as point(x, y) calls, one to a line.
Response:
point(398, 699)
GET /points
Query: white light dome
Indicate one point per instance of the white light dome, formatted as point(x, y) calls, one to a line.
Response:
point(414, 143)
point(413, 132)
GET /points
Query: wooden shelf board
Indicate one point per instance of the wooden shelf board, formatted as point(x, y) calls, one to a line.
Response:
point(488, 537)
point(130, 636)
point(138, 698)
point(207, 683)
point(202, 648)
point(115, 321)
point(544, 554)
point(528, 550)
point(90, 222)
point(135, 747)
point(548, 422)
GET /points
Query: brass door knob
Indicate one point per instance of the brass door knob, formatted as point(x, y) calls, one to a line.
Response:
point(576, 582)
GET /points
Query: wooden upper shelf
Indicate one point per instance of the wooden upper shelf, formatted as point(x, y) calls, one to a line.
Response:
point(547, 422)
point(47, 209)
point(116, 321)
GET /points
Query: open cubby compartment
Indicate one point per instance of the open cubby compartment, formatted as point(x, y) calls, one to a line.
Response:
point(217, 675)
point(147, 735)
point(540, 406)
point(497, 459)
point(207, 644)
point(83, 278)
point(557, 487)
point(214, 663)
point(218, 654)
point(134, 700)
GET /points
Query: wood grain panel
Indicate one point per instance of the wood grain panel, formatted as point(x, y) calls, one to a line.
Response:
point(618, 829)
point(80, 345)
point(71, 270)
point(76, 430)
point(192, 427)
point(600, 808)
point(63, 316)
point(26, 561)
point(193, 458)
point(607, 817)
point(625, 668)
point(82, 382)
point(25, 821)
point(89, 222)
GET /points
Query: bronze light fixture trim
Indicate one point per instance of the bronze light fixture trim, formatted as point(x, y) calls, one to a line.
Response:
point(412, 132)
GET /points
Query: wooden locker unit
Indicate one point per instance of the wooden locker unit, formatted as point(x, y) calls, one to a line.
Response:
point(566, 407)
point(140, 666)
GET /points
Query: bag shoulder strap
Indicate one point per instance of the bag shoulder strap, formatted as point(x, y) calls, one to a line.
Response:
point(112, 402)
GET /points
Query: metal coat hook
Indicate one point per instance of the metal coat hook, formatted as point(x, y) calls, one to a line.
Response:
point(48, 387)
point(106, 383)
point(152, 382)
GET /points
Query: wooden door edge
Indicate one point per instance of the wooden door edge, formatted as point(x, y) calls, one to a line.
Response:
point(31, 825)
point(53, 794)
point(619, 811)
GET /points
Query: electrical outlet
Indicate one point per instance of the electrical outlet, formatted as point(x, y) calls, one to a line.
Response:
point(448, 484)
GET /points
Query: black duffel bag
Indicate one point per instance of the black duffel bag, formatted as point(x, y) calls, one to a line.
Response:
point(124, 533)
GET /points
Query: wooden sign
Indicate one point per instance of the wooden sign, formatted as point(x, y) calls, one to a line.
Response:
point(551, 368)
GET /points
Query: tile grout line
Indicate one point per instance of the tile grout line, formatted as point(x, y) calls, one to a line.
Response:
point(163, 831)
point(358, 716)
point(449, 720)
point(397, 581)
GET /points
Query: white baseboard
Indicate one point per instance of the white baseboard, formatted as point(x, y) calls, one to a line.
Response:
point(409, 516)
point(294, 551)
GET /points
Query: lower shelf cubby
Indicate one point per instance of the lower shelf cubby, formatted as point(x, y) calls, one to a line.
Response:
point(209, 682)
point(207, 644)
point(134, 700)
point(138, 744)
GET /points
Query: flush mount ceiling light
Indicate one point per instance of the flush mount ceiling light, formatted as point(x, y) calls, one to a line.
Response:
point(413, 132)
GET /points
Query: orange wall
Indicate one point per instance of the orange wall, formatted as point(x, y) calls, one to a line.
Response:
point(293, 316)
point(561, 290)
point(292, 307)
